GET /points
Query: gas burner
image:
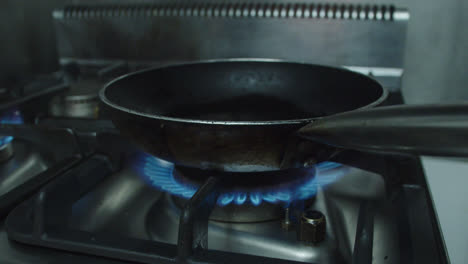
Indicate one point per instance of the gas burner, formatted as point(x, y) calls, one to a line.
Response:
point(10, 117)
point(183, 182)
point(85, 80)
point(81, 100)
point(6, 149)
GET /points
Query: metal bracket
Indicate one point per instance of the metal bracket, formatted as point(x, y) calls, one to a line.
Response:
point(193, 224)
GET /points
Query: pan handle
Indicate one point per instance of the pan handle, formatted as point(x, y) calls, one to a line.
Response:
point(439, 130)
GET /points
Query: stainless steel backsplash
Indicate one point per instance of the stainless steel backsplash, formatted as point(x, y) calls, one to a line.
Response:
point(157, 31)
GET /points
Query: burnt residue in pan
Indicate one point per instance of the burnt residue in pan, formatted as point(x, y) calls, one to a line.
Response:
point(254, 107)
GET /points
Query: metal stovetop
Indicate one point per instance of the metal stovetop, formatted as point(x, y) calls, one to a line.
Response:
point(121, 205)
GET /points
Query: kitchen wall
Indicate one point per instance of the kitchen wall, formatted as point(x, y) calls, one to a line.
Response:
point(435, 64)
point(28, 43)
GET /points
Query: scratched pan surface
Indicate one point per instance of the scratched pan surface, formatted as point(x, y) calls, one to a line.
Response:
point(234, 115)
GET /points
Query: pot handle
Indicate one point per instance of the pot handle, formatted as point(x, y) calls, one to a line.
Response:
point(439, 130)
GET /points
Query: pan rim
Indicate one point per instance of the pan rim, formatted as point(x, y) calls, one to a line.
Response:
point(109, 103)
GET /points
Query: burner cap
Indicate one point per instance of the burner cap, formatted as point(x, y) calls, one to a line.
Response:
point(245, 181)
point(81, 100)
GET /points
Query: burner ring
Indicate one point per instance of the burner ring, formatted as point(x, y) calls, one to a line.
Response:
point(163, 175)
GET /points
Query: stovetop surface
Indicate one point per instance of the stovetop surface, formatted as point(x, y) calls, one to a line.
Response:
point(121, 203)
point(124, 205)
point(17, 253)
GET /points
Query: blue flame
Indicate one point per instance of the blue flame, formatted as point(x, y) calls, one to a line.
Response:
point(9, 117)
point(159, 173)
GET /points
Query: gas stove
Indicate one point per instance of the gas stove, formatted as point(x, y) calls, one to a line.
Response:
point(73, 190)
point(102, 209)
point(105, 201)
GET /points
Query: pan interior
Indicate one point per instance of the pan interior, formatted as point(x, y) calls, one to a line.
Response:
point(243, 91)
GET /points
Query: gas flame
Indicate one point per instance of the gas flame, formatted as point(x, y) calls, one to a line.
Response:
point(10, 117)
point(159, 173)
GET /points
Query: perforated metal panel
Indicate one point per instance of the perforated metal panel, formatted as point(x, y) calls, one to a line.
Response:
point(323, 33)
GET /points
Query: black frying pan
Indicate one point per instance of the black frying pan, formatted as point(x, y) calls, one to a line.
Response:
point(244, 115)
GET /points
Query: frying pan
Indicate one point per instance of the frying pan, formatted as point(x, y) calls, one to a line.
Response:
point(250, 115)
